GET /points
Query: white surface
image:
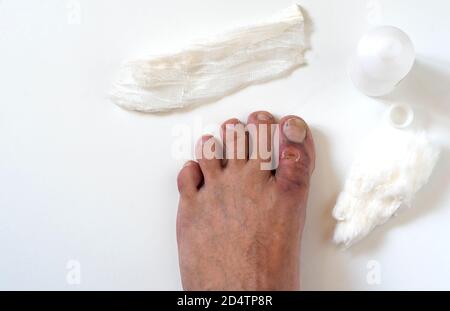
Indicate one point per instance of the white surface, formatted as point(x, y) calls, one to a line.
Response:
point(81, 179)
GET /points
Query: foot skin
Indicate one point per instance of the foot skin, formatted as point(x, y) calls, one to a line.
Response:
point(239, 227)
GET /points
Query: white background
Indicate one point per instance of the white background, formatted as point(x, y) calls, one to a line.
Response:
point(83, 180)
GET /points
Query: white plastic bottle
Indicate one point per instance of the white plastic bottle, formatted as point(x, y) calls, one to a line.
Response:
point(384, 56)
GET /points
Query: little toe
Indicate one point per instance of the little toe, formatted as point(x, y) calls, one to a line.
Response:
point(261, 127)
point(296, 153)
point(189, 178)
point(235, 142)
point(208, 154)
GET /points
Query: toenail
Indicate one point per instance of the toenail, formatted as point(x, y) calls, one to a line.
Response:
point(289, 154)
point(263, 116)
point(233, 130)
point(295, 130)
point(188, 163)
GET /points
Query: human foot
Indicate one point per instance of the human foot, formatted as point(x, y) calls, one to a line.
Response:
point(239, 227)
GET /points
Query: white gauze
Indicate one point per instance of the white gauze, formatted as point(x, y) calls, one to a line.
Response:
point(390, 168)
point(213, 68)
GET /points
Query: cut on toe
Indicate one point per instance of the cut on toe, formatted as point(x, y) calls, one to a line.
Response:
point(296, 154)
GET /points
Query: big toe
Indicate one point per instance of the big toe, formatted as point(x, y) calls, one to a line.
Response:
point(296, 153)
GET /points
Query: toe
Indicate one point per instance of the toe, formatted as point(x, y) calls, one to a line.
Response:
point(296, 153)
point(189, 178)
point(208, 154)
point(235, 141)
point(261, 126)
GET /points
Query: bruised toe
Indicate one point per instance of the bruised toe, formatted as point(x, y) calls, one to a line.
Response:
point(296, 153)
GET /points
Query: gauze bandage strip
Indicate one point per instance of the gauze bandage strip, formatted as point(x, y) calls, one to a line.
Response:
point(391, 167)
point(212, 69)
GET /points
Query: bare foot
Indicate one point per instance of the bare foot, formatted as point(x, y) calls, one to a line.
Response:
point(239, 227)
